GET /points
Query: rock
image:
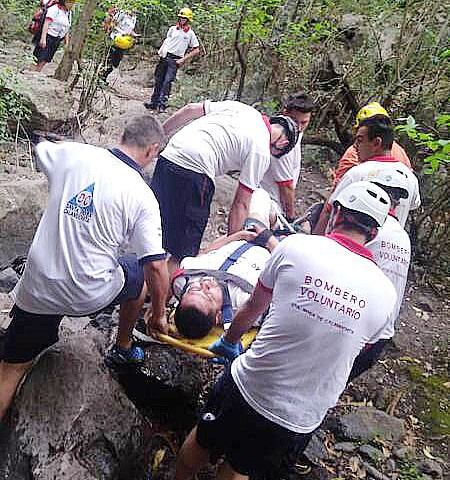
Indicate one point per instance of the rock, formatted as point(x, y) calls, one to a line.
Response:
point(22, 201)
point(430, 467)
point(403, 452)
point(8, 280)
point(373, 472)
point(346, 447)
point(371, 452)
point(71, 419)
point(49, 100)
point(391, 466)
point(366, 423)
point(316, 451)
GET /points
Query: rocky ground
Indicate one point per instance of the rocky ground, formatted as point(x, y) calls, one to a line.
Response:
point(392, 423)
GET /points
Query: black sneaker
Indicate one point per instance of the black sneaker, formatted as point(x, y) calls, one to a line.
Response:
point(150, 106)
point(117, 356)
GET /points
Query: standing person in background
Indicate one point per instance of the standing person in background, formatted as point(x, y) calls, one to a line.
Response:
point(282, 176)
point(120, 24)
point(55, 28)
point(180, 39)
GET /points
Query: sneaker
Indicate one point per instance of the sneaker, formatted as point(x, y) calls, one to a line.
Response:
point(118, 356)
point(150, 106)
point(161, 109)
point(301, 468)
point(140, 333)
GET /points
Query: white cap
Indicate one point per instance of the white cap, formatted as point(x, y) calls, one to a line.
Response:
point(366, 197)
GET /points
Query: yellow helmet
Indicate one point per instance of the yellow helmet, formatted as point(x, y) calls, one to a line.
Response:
point(369, 110)
point(123, 42)
point(186, 13)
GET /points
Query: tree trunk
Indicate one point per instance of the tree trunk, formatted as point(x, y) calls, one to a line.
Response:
point(77, 37)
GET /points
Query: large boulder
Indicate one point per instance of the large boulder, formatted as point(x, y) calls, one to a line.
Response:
point(22, 201)
point(71, 419)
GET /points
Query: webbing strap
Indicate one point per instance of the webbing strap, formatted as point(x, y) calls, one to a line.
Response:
point(234, 256)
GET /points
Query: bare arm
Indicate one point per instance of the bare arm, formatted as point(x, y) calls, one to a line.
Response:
point(321, 224)
point(255, 306)
point(157, 279)
point(287, 199)
point(186, 114)
point(239, 209)
point(224, 240)
point(191, 54)
point(43, 39)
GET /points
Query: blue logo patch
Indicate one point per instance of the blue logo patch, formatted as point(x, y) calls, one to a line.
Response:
point(81, 206)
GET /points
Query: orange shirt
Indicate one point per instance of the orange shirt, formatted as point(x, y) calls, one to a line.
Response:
point(350, 159)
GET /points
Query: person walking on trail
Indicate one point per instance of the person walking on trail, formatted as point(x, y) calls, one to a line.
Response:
point(120, 25)
point(373, 142)
point(180, 45)
point(224, 136)
point(55, 29)
point(321, 315)
point(391, 250)
point(350, 157)
point(281, 178)
point(98, 204)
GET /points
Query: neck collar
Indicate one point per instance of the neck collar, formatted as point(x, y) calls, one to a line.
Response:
point(351, 245)
point(185, 28)
point(126, 159)
point(382, 158)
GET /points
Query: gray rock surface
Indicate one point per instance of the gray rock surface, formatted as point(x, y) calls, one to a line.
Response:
point(371, 453)
point(316, 450)
point(71, 419)
point(431, 468)
point(346, 447)
point(22, 201)
point(367, 423)
point(8, 279)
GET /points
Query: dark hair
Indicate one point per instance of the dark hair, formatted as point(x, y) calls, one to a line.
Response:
point(357, 221)
point(300, 101)
point(193, 323)
point(379, 126)
point(142, 130)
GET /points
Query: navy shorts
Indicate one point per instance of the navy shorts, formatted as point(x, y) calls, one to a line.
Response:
point(184, 199)
point(46, 54)
point(29, 334)
point(251, 444)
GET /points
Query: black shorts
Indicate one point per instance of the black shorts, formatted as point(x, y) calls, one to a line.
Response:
point(46, 54)
point(251, 444)
point(29, 334)
point(184, 199)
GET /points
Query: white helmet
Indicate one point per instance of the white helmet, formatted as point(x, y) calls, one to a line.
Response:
point(366, 197)
point(393, 178)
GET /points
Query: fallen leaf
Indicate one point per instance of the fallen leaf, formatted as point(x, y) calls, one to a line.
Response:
point(409, 360)
point(427, 453)
point(157, 459)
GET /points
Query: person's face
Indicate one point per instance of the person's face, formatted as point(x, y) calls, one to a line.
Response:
point(366, 148)
point(278, 140)
point(183, 20)
point(300, 118)
point(206, 295)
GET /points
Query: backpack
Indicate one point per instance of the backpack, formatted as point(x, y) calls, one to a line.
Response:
point(37, 22)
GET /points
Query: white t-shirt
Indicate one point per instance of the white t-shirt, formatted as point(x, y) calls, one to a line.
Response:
point(324, 310)
point(282, 171)
point(96, 205)
point(230, 136)
point(178, 41)
point(124, 24)
point(369, 170)
point(60, 20)
point(248, 267)
point(391, 249)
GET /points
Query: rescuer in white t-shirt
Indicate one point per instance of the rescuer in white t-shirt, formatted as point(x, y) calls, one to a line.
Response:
point(323, 311)
point(281, 178)
point(391, 250)
point(222, 137)
point(98, 204)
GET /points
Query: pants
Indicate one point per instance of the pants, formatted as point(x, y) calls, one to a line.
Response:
point(367, 358)
point(115, 56)
point(165, 74)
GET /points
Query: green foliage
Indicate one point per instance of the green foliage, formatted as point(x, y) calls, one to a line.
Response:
point(13, 110)
point(437, 148)
point(409, 472)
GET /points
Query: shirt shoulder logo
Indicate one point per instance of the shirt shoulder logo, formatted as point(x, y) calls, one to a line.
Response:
point(81, 205)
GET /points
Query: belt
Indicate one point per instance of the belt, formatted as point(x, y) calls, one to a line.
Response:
point(171, 55)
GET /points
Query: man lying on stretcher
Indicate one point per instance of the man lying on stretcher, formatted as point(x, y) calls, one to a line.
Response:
point(213, 285)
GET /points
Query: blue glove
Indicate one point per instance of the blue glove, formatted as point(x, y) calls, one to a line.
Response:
point(226, 349)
